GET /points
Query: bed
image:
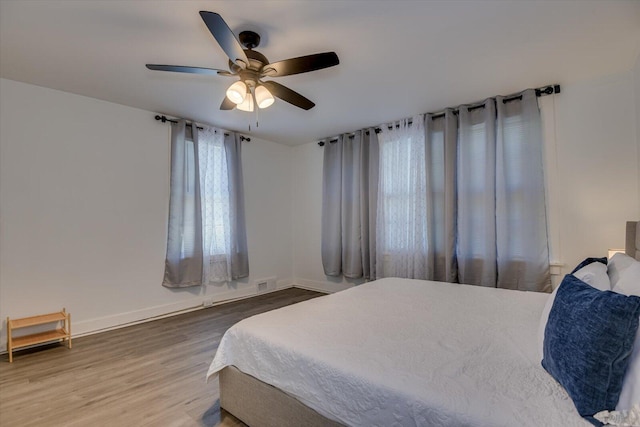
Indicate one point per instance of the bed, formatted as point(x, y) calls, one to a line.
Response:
point(396, 352)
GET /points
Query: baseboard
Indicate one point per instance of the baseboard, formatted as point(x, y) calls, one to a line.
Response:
point(122, 320)
point(318, 286)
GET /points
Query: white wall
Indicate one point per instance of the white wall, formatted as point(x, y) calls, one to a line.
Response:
point(596, 183)
point(83, 210)
point(597, 166)
point(307, 204)
point(636, 81)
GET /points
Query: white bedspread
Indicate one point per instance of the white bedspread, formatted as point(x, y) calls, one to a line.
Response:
point(399, 352)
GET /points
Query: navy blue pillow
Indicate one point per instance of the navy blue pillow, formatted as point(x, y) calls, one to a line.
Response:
point(588, 341)
point(588, 261)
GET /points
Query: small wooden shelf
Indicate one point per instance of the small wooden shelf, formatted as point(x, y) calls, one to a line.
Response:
point(38, 320)
point(58, 334)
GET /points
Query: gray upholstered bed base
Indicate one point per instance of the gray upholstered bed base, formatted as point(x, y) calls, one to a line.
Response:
point(261, 405)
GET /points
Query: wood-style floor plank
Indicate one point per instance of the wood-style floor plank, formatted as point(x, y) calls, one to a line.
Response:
point(152, 374)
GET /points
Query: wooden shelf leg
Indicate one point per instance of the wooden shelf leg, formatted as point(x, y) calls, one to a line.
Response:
point(9, 346)
point(69, 329)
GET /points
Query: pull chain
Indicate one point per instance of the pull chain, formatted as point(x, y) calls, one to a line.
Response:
point(255, 103)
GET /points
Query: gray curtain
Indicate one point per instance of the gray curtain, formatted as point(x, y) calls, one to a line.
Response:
point(441, 139)
point(185, 249)
point(349, 192)
point(183, 264)
point(501, 230)
point(476, 249)
point(486, 213)
point(239, 252)
point(521, 216)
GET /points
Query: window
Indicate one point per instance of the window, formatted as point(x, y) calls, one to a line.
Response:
point(461, 198)
point(214, 189)
point(215, 198)
point(402, 201)
point(206, 239)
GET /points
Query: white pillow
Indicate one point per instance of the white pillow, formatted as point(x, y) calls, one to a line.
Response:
point(629, 281)
point(594, 274)
point(618, 263)
point(629, 284)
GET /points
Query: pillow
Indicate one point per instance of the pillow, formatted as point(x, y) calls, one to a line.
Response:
point(589, 261)
point(595, 274)
point(618, 263)
point(592, 271)
point(629, 281)
point(588, 342)
point(629, 284)
point(544, 318)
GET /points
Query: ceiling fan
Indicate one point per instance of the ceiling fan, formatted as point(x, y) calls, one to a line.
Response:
point(251, 67)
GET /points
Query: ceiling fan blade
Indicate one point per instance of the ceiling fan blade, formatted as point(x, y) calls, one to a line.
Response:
point(184, 69)
point(225, 37)
point(288, 95)
point(227, 104)
point(302, 64)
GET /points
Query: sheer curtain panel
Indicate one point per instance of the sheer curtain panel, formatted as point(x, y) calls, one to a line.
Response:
point(402, 235)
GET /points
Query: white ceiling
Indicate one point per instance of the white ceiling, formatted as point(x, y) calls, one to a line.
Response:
point(397, 58)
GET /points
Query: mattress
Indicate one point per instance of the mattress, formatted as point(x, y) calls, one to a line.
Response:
point(401, 352)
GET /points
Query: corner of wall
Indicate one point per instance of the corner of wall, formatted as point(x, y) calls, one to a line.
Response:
point(636, 88)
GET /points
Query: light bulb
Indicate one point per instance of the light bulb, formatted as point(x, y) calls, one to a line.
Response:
point(247, 104)
point(237, 92)
point(263, 97)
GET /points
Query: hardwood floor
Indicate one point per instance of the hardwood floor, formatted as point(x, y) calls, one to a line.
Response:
point(152, 374)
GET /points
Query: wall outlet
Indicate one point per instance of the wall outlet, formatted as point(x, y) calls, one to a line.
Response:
point(207, 302)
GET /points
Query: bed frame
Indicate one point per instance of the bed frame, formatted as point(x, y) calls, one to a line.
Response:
point(261, 405)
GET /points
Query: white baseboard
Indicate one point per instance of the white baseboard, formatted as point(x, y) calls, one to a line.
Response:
point(121, 320)
point(102, 324)
point(318, 286)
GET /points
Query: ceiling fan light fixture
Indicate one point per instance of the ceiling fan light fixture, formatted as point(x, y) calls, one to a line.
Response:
point(237, 92)
point(247, 104)
point(250, 66)
point(264, 97)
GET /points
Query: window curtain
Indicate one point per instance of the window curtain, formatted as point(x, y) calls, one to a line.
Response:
point(502, 231)
point(521, 215)
point(441, 139)
point(238, 252)
point(463, 202)
point(402, 231)
point(183, 263)
point(206, 232)
point(349, 195)
point(476, 250)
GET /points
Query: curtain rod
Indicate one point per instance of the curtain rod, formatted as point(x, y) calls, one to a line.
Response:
point(165, 119)
point(541, 91)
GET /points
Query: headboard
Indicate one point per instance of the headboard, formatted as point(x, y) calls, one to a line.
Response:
point(632, 245)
